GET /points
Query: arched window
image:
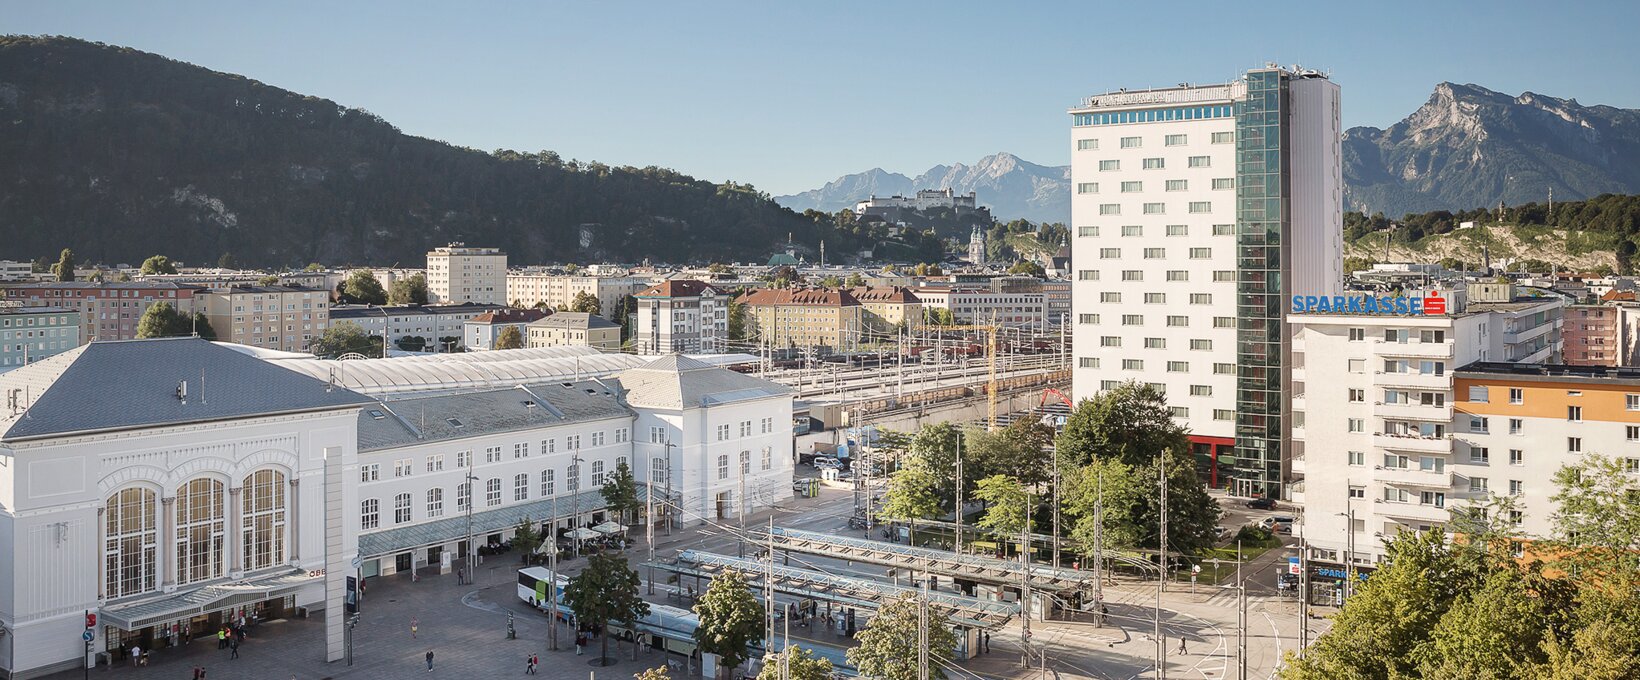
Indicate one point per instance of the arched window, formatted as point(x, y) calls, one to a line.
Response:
point(201, 529)
point(131, 538)
point(723, 466)
point(464, 496)
point(768, 458)
point(435, 502)
point(370, 513)
point(547, 486)
point(598, 474)
point(521, 487)
point(401, 508)
point(745, 462)
point(572, 478)
point(262, 519)
point(492, 492)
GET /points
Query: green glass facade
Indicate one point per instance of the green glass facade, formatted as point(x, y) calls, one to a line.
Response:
point(1261, 217)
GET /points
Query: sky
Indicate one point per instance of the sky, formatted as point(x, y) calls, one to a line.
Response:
point(788, 95)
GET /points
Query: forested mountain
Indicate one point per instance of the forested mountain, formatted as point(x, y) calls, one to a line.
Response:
point(119, 154)
point(1012, 187)
point(1470, 147)
point(1604, 230)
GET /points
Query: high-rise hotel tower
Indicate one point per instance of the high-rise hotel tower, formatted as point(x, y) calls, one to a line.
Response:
point(1198, 211)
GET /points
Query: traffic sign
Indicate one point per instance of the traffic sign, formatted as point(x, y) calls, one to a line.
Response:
point(88, 636)
point(357, 562)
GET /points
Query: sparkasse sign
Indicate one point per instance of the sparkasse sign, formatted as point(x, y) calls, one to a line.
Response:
point(1429, 304)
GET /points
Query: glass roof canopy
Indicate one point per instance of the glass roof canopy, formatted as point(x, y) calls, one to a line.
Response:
point(928, 560)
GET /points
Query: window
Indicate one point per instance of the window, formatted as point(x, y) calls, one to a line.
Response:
point(598, 438)
point(521, 487)
point(745, 462)
point(657, 470)
point(370, 472)
point(1133, 320)
point(401, 508)
point(1201, 298)
point(1224, 369)
point(435, 503)
point(1358, 492)
point(130, 543)
point(1087, 231)
point(1516, 487)
point(1133, 230)
point(1479, 455)
point(1517, 395)
point(1178, 230)
point(1631, 402)
point(492, 492)
point(1224, 230)
point(1358, 395)
point(1201, 344)
point(1428, 336)
point(1198, 207)
point(1201, 161)
point(723, 433)
point(1110, 208)
point(1132, 142)
point(1178, 185)
point(1178, 321)
point(1224, 414)
point(1132, 275)
point(767, 425)
point(551, 446)
point(1435, 498)
point(402, 468)
point(1090, 319)
point(1087, 362)
point(1201, 253)
point(1087, 145)
point(1155, 253)
point(1178, 411)
point(464, 496)
point(1357, 425)
point(1223, 183)
point(492, 454)
point(1395, 462)
point(1155, 298)
point(1477, 393)
point(1478, 424)
point(598, 476)
point(745, 428)
point(521, 450)
point(572, 478)
point(1574, 444)
point(1154, 164)
point(723, 466)
point(1174, 140)
point(1155, 208)
point(1087, 275)
point(1574, 413)
point(1132, 187)
point(1224, 138)
point(547, 485)
point(1632, 433)
point(1477, 485)
point(1110, 253)
point(1155, 343)
point(1358, 458)
point(370, 513)
point(435, 463)
point(1178, 367)
point(201, 530)
point(262, 520)
point(1110, 341)
point(1358, 334)
point(657, 435)
point(1087, 187)
point(1631, 466)
point(1110, 165)
point(1224, 322)
point(1110, 296)
point(1201, 390)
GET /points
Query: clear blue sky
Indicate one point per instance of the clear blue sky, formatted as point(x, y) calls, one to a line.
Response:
point(788, 95)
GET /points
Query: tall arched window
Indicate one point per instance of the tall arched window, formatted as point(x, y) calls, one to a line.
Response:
point(435, 502)
point(262, 524)
point(521, 487)
point(492, 492)
point(401, 508)
point(745, 462)
point(201, 529)
point(547, 486)
point(723, 466)
point(464, 496)
point(131, 538)
point(598, 474)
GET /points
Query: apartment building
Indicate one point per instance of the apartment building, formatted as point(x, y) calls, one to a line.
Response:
point(1056, 300)
point(285, 318)
point(12, 270)
point(573, 328)
point(681, 316)
point(481, 332)
point(1196, 211)
point(1601, 335)
point(533, 289)
point(29, 334)
point(825, 320)
point(1372, 450)
point(889, 310)
point(457, 273)
point(432, 323)
point(108, 311)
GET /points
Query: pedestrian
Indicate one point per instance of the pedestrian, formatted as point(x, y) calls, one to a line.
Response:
point(580, 640)
point(222, 637)
point(233, 646)
point(1181, 645)
point(197, 671)
point(529, 665)
point(429, 661)
point(415, 624)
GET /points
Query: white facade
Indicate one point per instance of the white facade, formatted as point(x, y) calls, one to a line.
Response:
point(529, 289)
point(981, 306)
point(680, 316)
point(456, 273)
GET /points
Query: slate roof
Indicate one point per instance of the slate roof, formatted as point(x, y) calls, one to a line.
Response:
point(133, 384)
point(392, 423)
point(677, 288)
point(677, 382)
point(808, 297)
point(578, 320)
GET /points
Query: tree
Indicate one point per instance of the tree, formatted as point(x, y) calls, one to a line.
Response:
point(1007, 511)
point(718, 268)
point(1129, 422)
point(935, 448)
point(509, 338)
point(158, 264)
point(411, 343)
point(656, 673)
point(345, 337)
point(1494, 631)
point(64, 269)
point(606, 590)
point(526, 538)
point(227, 261)
point(41, 265)
point(1355, 264)
point(362, 287)
point(620, 492)
point(313, 267)
point(1028, 268)
point(410, 290)
point(737, 319)
point(855, 280)
point(938, 316)
point(1597, 517)
point(890, 647)
point(913, 494)
point(799, 664)
point(731, 620)
point(831, 281)
point(1018, 450)
point(201, 326)
point(164, 321)
point(585, 302)
point(269, 280)
point(1132, 504)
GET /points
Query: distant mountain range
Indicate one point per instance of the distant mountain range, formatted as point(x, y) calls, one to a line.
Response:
point(1466, 147)
point(1009, 185)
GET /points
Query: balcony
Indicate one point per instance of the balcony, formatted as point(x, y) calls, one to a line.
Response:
point(1412, 442)
point(1413, 511)
point(1421, 381)
point(1422, 350)
point(1413, 477)
point(1441, 414)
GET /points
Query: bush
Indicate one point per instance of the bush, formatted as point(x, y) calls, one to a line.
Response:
point(1251, 535)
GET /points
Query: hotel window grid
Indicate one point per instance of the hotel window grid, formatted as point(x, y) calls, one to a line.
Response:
point(1110, 253)
point(1201, 253)
point(1155, 253)
point(1356, 458)
point(1224, 414)
point(1224, 322)
point(1178, 275)
point(1110, 165)
point(1178, 412)
point(1201, 161)
point(1225, 230)
point(1178, 185)
point(1132, 142)
point(1178, 321)
point(370, 513)
point(1201, 207)
point(1201, 390)
point(464, 496)
point(401, 508)
point(1133, 230)
point(1087, 362)
point(262, 520)
point(1480, 455)
point(1133, 275)
point(1201, 298)
point(1155, 343)
point(201, 528)
point(1178, 367)
point(1110, 297)
point(1087, 318)
point(1132, 188)
point(1178, 230)
point(492, 492)
point(1087, 275)
point(1155, 208)
point(1201, 344)
point(1110, 208)
point(1087, 145)
point(130, 543)
point(1154, 164)
point(1133, 364)
point(1110, 341)
point(435, 503)
point(1175, 140)
point(1087, 187)
point(521, 487)
point(1133, 320)
point(1087, 231)
point(1224, 138)
point(1477, 485)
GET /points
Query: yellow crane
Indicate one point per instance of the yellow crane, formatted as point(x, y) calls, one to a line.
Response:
point(990, 331)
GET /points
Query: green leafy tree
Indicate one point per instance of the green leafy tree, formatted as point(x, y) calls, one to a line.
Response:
point(620, 492)
point(1597, 516)
point(164, 321)
point(585, 302)
point(719, 268)
point(526, 538)
point(411, 343)
point(362, 287)
point(1494, 631)
point(855, 280)
point(1129, 422)
point(1028, 268)
point(201, 326)
point(269, 280)
point(345, 337)
point(64, 269)
point(41, 265)
point(731, 620)
point(831, 281)
point(410, 290)
point(1132, 505)
point(913, 494)
point(1018, 450)
point(227, 261)
point(313, 267)
point(605, 591)
point(1356, 264)
point(795, 663)
point(935, 448)
point(123, 277)
point(509, 337)
point(158, 264)
point(1007, 509)
point(737, 319)
point(889, 647)
point(938, 316)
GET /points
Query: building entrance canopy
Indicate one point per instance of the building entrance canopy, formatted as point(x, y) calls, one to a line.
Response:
point(147, 613)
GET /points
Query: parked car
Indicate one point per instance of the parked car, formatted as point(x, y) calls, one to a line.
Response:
point(1262, 504)
point(1221, 532)
point(1273, 520)
point(802, 484)
point(826, 463)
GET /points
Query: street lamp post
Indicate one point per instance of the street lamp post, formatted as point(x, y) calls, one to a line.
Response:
point(472, 495)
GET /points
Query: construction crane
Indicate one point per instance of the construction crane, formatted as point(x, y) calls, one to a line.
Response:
point(990, 331)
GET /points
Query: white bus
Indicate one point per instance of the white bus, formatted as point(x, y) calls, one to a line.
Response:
point(532, 587)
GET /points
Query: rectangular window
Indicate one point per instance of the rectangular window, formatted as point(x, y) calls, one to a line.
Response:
point(1090, 362)
point(1357, 425)
point(1477, 485)
point(521, 450)
point(1201, 344)
point(1154, 164)
point(1178, 320)
point(1224, 414)
point(1178, 230)
point(1178, 411)
point(435, 463)
point(1201, 253)
point(1200, 391)
point(521, 487)
point(1357, 395)
point(1224, 138)
point(1087, 145)
point(1477, 393)
point(435, 503)
point(1155, 298)
point(1155, 253)
point(1133, 275)
point(1478, 424)
point(1155, 343)
point(1201, 161)
point(402, 467)
point(1480, 455)
point(1515, 425)
point(723, 433)
point(492, 454)
point(1155, 209)
point(1224, 322)
point(1632, 433)
point(373, 472)
point(1178, 275)
point(1132, 142)
point(1178, 185)
point(1133, 364)
point(1515, 487)
point(1224, 230)
point(548, 482)
point(1631, 402)
point(1110, 297)
point(1222, 183)
point(1133, 320)
point(1087, 319)
point(1356, 458)
point(1110, 208)
point(1110, 165)
point(1432, 336)
point(1178, 367)
point(1201, 298)
point(1132, 187)
point(1087, 231)
point(1574, 444)
point(1574, 414)
point(1087, 275)
point(1174, 140)
point(1087, 187)
point(1517, 395)
point(464, 459)
point(1224, 369)
point(1201, 207)
point(1110, 341)
point(1133, 230)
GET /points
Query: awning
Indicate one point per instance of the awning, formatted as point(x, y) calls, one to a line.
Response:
point(139, 615)
point(608, 528)
point(580, 534)
point(454, 527)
